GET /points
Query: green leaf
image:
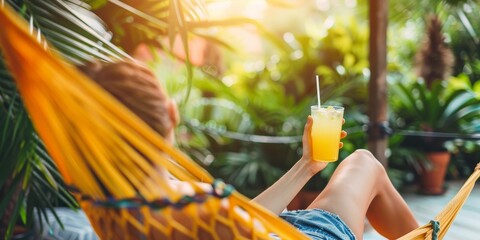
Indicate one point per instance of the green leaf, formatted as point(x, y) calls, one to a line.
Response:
point(433, 107)
point(178, 23)
point(457, 102)
point(23, 214)
point(407, 99)
point(44, 12)
point(8, 194)
point(79, 36)
point(14, 218)
point(96, 4)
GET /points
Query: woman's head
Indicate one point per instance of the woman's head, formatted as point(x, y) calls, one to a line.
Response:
point(138, 89)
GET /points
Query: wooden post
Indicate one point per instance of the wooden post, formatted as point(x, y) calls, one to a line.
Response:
point(377, 102)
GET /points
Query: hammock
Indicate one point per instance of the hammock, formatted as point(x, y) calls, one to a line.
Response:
point(110, 158)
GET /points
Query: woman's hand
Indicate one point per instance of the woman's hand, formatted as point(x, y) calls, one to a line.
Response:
point(342, 134)
point(307, 158)
point(276, 197)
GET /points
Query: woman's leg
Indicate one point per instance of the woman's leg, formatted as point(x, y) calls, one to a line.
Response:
point(360, 188)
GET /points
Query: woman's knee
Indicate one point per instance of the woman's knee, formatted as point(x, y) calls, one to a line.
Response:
point(364, 159)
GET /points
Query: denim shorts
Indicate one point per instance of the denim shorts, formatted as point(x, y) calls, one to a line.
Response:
point(319, 224)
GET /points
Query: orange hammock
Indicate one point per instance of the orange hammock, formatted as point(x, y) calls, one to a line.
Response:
point(112, 159)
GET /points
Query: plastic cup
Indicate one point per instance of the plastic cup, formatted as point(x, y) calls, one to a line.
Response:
point(325, 136)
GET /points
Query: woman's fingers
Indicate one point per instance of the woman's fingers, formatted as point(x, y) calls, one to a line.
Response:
point(306, 140)
point(308, 128)
point(342, 135)
point(307, 131)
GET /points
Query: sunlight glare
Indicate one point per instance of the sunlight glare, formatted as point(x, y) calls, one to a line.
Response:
point(323, 5)
point(467, 8)
point(329, 22)
point(288, 37)
point(255, 9)
point(351, 3)
point(297, 54)
point(275, 76)
point(409, 31)
point(228, 81)
point(341, 70)
point(219, 6)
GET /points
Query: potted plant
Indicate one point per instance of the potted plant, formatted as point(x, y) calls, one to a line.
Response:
point(432, 109)
point(431, 115)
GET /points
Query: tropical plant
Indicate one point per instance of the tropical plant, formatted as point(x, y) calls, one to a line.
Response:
point(465, 42)
point(401, 160)
point(430, 119)
point(149, 22)
point(161, 24)
point(434, 60)
point(223, 140)
point(461, 26)
point(427, 103)
point(437, 110)
point(29, 179)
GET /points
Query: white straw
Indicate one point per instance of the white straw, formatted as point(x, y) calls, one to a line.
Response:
point(318, 91)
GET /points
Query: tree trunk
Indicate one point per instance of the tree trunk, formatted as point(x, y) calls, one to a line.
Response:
point(377, 104)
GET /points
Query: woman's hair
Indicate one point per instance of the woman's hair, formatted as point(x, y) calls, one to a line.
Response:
point(136, 87)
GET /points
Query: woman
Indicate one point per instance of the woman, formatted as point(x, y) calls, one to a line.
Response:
point(358, 188)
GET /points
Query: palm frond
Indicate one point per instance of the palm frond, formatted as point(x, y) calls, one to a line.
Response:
point(28, 177)
point(153, 22)
point(59, 17)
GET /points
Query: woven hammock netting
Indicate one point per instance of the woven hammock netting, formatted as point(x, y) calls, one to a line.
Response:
point(112, 160)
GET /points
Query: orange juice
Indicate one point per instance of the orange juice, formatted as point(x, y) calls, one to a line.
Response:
point(327, 124)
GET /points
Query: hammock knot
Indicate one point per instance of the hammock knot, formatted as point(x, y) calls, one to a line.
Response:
point(435, 228)
point(185, 200)
point(221, 189)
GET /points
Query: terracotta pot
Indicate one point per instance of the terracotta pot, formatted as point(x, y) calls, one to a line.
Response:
point(433, 179)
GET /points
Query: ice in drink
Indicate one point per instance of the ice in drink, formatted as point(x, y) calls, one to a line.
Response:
point(327, 124)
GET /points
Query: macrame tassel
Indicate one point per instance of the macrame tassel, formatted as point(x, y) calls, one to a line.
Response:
point(435, 229)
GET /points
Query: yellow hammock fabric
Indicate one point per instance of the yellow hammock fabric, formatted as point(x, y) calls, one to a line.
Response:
point(112, 158)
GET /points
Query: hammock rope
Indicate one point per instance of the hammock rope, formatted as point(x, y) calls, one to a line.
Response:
point(112, 158)
point(447, 215)
point(219, 190)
